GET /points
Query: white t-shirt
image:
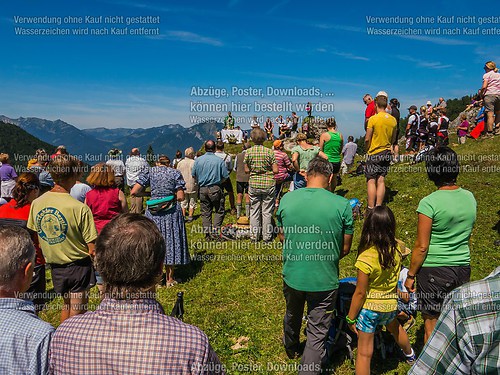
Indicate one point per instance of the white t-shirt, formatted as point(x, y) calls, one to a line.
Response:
point(254, 124)
point(493, 80)
point(401, 287)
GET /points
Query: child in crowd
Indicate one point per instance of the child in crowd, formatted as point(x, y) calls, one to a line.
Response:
point(407, 302)
point(463, 129)
point(375, 300)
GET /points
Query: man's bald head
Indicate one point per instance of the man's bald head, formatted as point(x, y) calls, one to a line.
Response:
point(135, 151)
point(209, 146)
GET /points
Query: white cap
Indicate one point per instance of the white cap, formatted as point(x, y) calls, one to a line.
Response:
point(429, 102)
point(382, 93)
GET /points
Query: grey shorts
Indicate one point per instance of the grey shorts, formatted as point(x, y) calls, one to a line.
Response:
point(492, 103)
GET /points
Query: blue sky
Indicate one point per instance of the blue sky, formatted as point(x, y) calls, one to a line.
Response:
point(143, 81)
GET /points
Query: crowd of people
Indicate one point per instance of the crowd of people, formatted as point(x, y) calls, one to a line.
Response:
point(89, 234)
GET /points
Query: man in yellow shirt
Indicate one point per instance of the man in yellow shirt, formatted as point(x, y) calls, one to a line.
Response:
point(380, 136)
point(66, 233)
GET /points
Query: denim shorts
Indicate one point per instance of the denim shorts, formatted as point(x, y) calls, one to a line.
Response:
point(369, 320)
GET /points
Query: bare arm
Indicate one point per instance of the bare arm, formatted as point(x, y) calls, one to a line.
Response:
point(358, 299)
point(247, 169)
point(281, 235)
point(275, 168)
point(295, 161)
point(323, 155)
point(368, 138)
point(484, 87)
point(322, 141)
point(136, 190)
point(346, 247)
point(123, 201)
point(91, 247)
point(420, 249)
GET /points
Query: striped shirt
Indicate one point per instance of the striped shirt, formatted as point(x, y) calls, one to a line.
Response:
point(260, 161)
point(466, 339)
point(284, 164)
point(130, 337)
point(25, 338)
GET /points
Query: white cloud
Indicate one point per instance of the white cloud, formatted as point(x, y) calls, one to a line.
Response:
point(189, 37)
point(423, 63)
point(439, 40)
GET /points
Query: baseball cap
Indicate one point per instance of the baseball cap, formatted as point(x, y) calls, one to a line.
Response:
point(382, 93)
point(277, 143)
point(413, 107)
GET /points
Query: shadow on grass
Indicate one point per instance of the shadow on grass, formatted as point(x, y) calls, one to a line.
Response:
point(341, 192)
point(497, 225)
point(389, 194)
point(189, 271)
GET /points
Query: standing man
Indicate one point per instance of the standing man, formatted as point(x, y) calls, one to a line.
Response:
point(66, 233)
point(116, 164)
point(135, 166)
point(210, 171)
point(348, 154)
point(370, 108)
point(380, 135)
point(441, 105)
point(185, 166)
point(412, 129)
point(24, 345)
point(260, 162)
point(295, 123)
point(227, 184)
point(229, 121)
point(129, 332)
point(394, 103)
point(311, 260)
point(242, 178)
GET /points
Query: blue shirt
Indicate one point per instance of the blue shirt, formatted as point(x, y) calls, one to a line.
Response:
point(209, 170)
point(24, 340)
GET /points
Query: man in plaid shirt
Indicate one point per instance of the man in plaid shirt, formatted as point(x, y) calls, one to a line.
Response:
point(466, 339)
point(129, 332)
point(260, 162)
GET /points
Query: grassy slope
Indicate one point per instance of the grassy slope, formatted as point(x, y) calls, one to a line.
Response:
point(238, 296)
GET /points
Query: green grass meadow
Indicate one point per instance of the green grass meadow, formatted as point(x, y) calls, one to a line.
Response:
point(233, 290)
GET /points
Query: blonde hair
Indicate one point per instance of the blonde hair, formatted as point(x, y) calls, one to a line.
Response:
point(491, 66)
point(101, 175)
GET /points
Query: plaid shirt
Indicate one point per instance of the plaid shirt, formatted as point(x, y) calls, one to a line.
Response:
point(260, 161)
point(24, 342)
point(130, 337)
point(466, 339)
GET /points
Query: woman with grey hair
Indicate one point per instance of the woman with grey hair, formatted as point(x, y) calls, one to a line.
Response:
point(260, 162)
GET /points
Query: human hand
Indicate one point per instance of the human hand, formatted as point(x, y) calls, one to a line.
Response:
point(410, 285)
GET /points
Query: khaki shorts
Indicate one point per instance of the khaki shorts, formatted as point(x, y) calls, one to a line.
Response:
point(492, 103)
point(189, 201)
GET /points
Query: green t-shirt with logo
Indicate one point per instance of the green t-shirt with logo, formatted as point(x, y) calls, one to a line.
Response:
point(453, 214)
point(64, 225)
point(314, 222)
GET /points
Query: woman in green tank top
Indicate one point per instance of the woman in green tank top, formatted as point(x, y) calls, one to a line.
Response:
point(331, 143)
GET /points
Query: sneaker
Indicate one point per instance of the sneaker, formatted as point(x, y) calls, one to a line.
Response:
point(409, 323)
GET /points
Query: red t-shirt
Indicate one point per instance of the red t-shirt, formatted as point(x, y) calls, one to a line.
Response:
point(370, 110)
point(9, 211)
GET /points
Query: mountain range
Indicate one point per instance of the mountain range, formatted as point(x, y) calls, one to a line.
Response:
point(93, 144)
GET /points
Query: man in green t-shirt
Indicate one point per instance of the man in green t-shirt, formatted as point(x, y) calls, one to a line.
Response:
point(316, 228)
point(66, 233)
